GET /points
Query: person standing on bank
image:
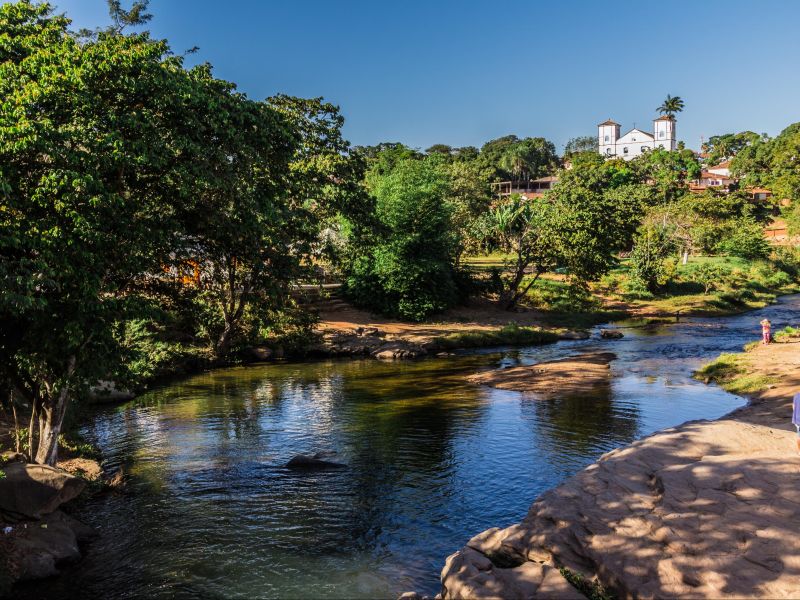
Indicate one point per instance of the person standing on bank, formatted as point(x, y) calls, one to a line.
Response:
point(766, 334)
point(796, 417)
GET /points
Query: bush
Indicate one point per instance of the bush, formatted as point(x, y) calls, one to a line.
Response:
point(787, 259)
point(710, 276)
point(648, 258)
point(745, 239)
point(408, 270)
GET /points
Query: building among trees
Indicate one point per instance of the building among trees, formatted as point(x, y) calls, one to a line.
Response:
point(636, 141)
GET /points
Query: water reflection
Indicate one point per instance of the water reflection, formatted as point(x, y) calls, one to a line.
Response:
point(430, 461)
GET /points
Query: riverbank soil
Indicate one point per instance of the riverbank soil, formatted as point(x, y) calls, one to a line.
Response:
point(578, 375)
point(483, 315)
point(708, 509)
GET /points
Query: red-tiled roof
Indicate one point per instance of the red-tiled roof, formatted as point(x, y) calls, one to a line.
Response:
point(665, 118)
point(707, 175)
point(725, 164)
point(609, 122)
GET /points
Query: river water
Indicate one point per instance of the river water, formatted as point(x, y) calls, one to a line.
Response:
point(431, 461)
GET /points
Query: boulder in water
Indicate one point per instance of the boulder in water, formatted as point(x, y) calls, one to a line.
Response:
point(611, 334)
point(315, 461)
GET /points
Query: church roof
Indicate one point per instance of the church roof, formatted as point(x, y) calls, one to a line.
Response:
point(650, 135)
point(665, 118)
point(609, 122)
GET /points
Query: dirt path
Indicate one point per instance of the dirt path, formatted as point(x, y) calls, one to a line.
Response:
point(482, 316)
point(708, 509)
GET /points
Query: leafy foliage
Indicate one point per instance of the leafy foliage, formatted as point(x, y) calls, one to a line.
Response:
point(408, 270)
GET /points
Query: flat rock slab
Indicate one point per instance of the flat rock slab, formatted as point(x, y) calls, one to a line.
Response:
point(704, 510)
point(573, 376)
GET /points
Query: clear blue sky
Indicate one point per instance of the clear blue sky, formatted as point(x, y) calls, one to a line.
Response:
point(463, 72)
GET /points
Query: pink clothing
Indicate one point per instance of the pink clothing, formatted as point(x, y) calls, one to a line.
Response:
point(766, 338)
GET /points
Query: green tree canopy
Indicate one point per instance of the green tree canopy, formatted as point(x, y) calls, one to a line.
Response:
point(98, 151)
point(721, 147)
point(671, 106)
point(583, 143)
point(408, 270)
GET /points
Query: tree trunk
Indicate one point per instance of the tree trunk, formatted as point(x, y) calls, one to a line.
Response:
point(224, 340)
point(51, 418)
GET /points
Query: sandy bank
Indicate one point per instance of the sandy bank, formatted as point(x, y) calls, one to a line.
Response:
point(573, 376)
point(709, 509)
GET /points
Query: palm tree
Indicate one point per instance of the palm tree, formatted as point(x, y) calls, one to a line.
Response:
point(672, 105)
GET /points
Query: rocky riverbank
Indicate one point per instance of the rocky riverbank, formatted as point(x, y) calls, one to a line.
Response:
point(37, 536)
point(708, 509)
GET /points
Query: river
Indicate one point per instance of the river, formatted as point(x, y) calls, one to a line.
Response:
point(431, 460)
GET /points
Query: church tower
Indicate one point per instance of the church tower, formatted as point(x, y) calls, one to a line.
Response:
point(664, 131)
point(607, 136)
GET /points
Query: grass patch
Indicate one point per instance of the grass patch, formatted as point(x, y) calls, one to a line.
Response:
point(509, 335)
point(730, 372)
point(786, 334)
point(592, 589)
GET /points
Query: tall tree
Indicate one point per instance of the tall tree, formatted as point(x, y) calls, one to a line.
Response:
point(245, 234)
point(525, 232)
point(671, 106)
point(721, 147)
point(94, 180)
point(584, 143)
point(408, 271)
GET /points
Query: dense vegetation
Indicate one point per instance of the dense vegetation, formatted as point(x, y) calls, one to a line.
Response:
point(152, 216)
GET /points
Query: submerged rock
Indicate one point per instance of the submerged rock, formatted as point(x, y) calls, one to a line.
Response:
point(316, 461)
point(574, 335)
point(611, 334)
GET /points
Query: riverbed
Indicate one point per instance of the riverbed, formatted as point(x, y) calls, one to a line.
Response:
point(430, 461)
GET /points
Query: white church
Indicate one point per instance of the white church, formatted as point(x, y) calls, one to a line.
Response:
point(636, 141)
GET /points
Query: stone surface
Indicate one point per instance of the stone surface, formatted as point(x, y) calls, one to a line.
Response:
point(468, 574)
point(82, 467)
point(611, 334)
point(107, 391)
point(574, 335)
point(260, 353)
point(303, 461)
point(709, 509)
point(29, 491)
point(574, 376)
point(40, 547)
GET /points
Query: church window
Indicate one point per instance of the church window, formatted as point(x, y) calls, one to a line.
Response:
point(607, 139)
point(661, 134)
point(625, 150)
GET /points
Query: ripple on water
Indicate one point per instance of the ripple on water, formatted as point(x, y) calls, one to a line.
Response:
point(430, 462)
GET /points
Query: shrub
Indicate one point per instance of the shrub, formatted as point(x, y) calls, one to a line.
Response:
point(408, 270)
point(745, 239)
point(648, 258)
point(710, 276)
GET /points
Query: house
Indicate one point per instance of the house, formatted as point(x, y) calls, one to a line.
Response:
point(723, 169)
point(709, 179)
point(534, 188)
point(634, 143)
